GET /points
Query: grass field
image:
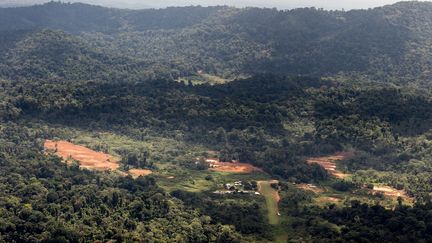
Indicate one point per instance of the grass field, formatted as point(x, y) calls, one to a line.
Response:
point(281, 236)
point(173, 177)
point(272, 199)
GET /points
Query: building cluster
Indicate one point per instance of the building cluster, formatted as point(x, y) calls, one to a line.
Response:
point(238, 187)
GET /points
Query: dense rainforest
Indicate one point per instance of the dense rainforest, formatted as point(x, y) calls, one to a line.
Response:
point(390, 44)
point(263, 86)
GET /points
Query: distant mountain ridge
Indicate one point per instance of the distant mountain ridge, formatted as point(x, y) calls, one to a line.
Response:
point(390, 43)
point(78, 17)
point(113, 3)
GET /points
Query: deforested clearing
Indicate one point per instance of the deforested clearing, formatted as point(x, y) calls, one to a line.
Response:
point(87, 158)
point(329, 163)
point(391, 192)
point(312, 188)
point(233, 167)
point(139, 172)
point(328, 200)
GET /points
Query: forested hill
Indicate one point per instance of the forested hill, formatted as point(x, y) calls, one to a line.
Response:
point(390, 43)
point(288, 92)
point(80, 17)
point(56, 55)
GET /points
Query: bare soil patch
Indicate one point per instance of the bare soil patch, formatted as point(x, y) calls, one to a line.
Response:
point(86, 157)
point(139, 172)
point(232, 167)
point(328, 200)
point(89, 159)
point(329, 163)
point(391, 192)
point(312, 188)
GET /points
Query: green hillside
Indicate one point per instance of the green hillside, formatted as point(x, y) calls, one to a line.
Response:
point(330, 111)
point(385, 44)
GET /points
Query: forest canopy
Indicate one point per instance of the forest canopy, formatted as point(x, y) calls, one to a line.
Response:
point(167, 90)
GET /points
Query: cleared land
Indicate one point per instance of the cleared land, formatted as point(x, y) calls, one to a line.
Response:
point(272, 200)
point(312, 188)
point(89, 159)
point(329, 163)
point(328, 200)
point(135, 173)
point(232, 167)
point(86, 157)
point(391, 192)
